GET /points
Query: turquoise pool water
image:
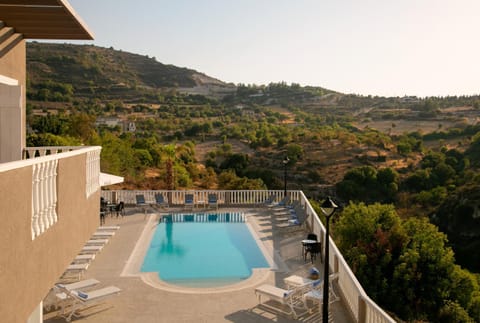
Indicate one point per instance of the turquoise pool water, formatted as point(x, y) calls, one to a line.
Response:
point(203, 250)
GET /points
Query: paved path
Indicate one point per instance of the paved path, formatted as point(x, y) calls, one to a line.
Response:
point(146, 299)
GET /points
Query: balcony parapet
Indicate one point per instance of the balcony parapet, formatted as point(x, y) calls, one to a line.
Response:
point(44, 163)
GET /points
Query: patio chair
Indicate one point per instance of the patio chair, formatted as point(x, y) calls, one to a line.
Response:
point(74, 301)
point(314, 249)
point(295, 221)
point(140, 202)
point(284, 202)
point(189, 201)
point(103, 210)
point(212, 201)
point(160, 201)
point(315, 294)
point(269, 200)
point(120, 209)
point(289, 299)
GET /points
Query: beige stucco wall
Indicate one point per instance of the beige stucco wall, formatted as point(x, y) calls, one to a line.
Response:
point(28, 269)
point(13, 65)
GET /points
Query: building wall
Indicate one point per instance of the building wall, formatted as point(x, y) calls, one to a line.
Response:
point(12, 65)
point(28, 269)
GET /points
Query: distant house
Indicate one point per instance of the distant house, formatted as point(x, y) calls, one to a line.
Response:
point(129, 126)
point(108, 121)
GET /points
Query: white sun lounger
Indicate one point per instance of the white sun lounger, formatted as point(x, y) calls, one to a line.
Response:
point(291, 299)
point(74, 300)
point(92, 242)
point(76, 267)
point(75, 271)
point(82, 284)
point(108, 227)
point(90, 249)
point(83, 258)
point(52, 301)
point(102, 234)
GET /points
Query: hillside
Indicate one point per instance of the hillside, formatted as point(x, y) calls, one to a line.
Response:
point(104, 72)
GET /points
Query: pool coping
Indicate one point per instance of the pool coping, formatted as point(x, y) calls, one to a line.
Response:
point(259, 275)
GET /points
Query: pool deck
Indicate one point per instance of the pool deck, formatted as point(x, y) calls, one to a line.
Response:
point(145, 298)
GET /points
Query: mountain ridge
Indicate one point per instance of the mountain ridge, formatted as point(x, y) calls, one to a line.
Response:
point(90, 69)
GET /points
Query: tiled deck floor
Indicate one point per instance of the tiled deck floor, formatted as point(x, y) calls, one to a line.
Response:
point(142, 303)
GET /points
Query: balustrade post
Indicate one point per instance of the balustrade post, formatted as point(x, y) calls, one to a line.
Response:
point(335, 263)
point(35, 203)
point(43, 195)
point(362, 310)
point(227, 198)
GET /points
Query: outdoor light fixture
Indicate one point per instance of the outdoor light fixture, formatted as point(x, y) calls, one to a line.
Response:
point(285, 163)
point(328, 208)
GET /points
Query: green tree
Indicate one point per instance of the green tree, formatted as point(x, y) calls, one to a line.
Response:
point(422, 278)
point(370, 238)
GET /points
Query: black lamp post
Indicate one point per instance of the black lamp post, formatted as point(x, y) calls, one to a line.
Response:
point(328, 208)
point(285, 162)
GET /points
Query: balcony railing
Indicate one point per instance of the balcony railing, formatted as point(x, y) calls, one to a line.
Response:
point(362, 308)
point(44, 163)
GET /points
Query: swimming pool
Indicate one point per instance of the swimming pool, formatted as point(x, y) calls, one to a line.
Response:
point(203, 250)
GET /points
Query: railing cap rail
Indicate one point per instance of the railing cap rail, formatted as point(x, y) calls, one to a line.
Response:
point(32, 161)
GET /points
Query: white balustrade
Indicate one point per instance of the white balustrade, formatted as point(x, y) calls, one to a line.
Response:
point(93, 172)
point(44, 163)
point(44, 196)
point(33, 152)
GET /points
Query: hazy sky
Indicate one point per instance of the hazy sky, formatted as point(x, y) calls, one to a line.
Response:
point(377, 47)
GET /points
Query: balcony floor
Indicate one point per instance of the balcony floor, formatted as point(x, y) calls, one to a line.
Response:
point(142, 302)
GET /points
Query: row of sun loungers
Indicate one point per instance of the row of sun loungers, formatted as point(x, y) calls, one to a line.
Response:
point(189, 202)
point(72, 297)
point(289, 215)
point(87, 254)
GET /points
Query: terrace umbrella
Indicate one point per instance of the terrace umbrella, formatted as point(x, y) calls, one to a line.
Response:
point(109, 179)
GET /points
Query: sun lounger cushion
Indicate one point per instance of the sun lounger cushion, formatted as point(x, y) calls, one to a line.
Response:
point(82, 295)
